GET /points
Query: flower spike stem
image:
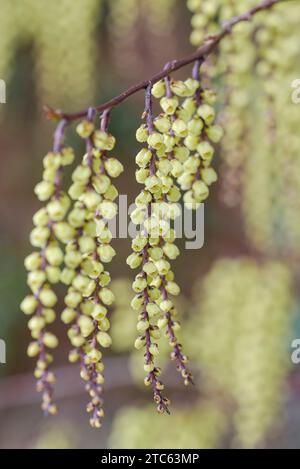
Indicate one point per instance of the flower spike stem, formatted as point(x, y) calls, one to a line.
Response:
point(59, 135)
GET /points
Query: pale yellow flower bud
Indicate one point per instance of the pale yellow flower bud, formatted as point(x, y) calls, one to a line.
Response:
point(104, 339)
point(85, 128)
point(113, 167)
point(158, 89)
point(47, 297)
point(29, 304)
point(33, 349)
point(68, 315)
point(169, 105)
point(106, 296)
point(209, 176)
point(142, 134)
point(207, 113)
point(103, 140)
point(33, 261)
point(50, 340)
point(44, 190)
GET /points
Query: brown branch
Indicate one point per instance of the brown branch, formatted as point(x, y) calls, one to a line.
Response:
point(201, 53)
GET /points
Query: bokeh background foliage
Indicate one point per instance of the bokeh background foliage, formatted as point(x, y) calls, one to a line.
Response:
point(240, 300)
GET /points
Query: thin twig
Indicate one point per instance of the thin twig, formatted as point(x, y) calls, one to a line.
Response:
point(202, 52)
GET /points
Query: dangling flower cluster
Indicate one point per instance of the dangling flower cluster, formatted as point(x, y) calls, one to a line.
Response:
point(176, 159)
point(89, 248)
point(273, 225)
point(178, 152)
point(82, 227)
point(43, 266)
point(245, 300)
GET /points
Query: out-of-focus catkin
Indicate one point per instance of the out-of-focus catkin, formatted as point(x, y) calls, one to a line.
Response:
point(64, 78)
point(202, 428)
point(250, 305)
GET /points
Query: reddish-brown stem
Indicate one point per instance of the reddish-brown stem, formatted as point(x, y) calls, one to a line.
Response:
point(201, 53)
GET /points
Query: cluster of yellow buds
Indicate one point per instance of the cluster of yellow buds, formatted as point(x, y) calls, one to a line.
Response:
point(188, 129)
point(43, 267)
point(76, 235)
point(87, 251)
point(177, 158)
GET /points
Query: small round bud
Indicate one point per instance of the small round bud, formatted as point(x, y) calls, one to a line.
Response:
point(33, 349)
point(67, 276)
point(152, 309)
point(74, 356)
point(142, 134)
point(54, 255)
point(103, 140)
point(161, 323)
point(41, 217)
point(205, 150)
point(134, 260)
point(72, 299)
point(139, 343)
point(162, 124)
point(29, 304)
point(33, 261)
point(148, 367)
point(67, 156)
point(39, 236)
point(36, 323)
point(153, 349)
point(85, 128)
point(44, 190)
point(169, 105)
point(86, 325)
point(104, 339)
point(68, 315)
point(207, 113)
point(142, 326)
point(158, 89)
point(108, 209)
point(139, 284)
point(143, 158)
point(106, 253)
point(47, 297)
point(101, 183)
point(106, 296)
point(166, 305)
point(99, 312)
point(81, 174)
point(50, 340)
point(113, 167)
point(215, 133)
point(179, 128)
point(64, 232)
point(209, 176)
point(200, 190)
point(155, 140)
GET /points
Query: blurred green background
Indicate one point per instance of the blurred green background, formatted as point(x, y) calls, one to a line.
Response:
point(240, 305)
